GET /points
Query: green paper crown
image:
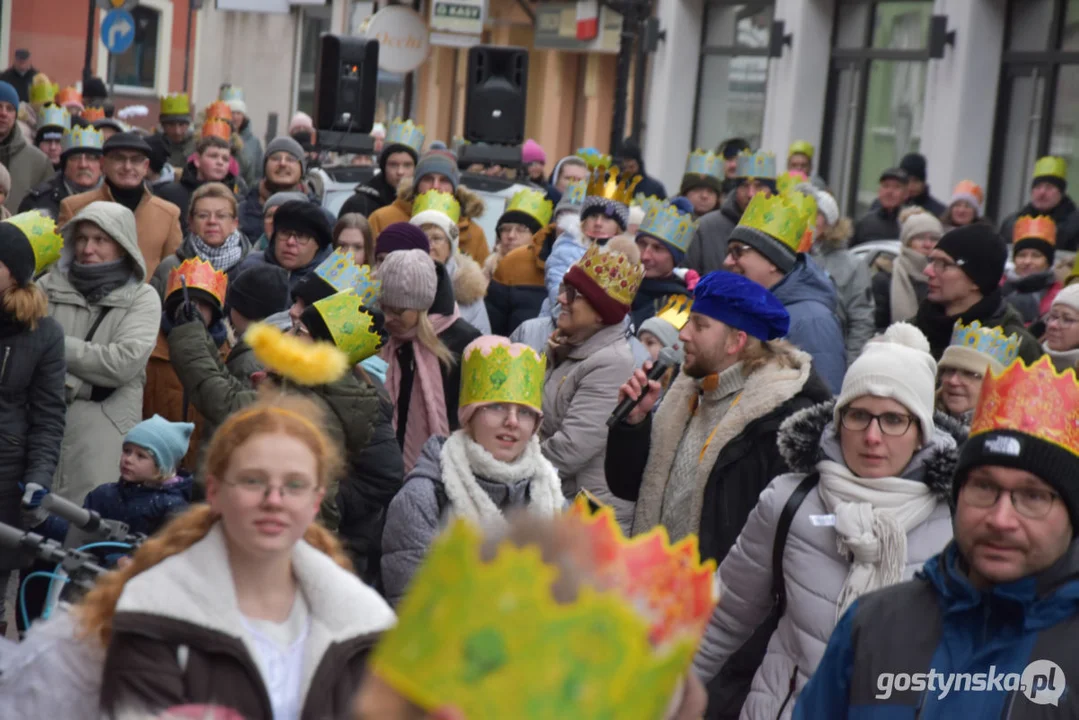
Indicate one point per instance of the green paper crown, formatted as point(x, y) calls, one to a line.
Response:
point(405, 132)
point(40, 231)
point(175, 104)
point(783, 217)
point(532, 203)
point(42, 93)
point(350, 325)
point(1050, 166)
point(669, 224)
point(503, 374)
point(704, 162)
point(438, 201)
point(801, 146)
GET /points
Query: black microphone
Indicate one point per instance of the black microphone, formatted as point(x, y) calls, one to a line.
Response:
point(666, 360)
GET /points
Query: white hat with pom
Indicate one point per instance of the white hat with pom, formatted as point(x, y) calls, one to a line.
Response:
point(895, 365)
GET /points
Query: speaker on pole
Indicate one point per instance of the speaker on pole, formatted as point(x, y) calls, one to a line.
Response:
point(345, 84)
point(496, 95)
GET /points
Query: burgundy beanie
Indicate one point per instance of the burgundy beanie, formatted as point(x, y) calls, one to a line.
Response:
point(401, 236)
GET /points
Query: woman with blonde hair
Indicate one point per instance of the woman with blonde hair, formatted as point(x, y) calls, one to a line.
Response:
point(353, 233)
point(244, 602)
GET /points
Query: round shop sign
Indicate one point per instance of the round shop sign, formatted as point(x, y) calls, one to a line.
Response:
point(402, 38)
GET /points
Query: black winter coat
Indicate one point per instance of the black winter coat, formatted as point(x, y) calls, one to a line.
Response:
point(369, 197)
point(20, 81)
point(1065, 215)
point(46, 197)
point(928, 203)
point(653, 295)
point(991, 311)
point(877, 224)
point(510, 305)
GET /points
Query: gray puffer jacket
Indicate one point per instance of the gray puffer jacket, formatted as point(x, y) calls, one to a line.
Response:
point(814, 572)
point(850, 275)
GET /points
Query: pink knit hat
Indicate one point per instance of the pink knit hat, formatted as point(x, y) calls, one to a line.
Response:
point(532, 152)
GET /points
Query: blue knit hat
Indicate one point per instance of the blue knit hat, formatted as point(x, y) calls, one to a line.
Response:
point(8, 94)
point(166, 441)
point(742, 304)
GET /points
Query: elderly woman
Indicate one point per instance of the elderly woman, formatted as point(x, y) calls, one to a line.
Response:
point(301, 239)
point(973, 352)
point(870, 478)
point(588, 357)
point(1062, 329)
point(110, 316)
point(492, 464)
point(897, 294)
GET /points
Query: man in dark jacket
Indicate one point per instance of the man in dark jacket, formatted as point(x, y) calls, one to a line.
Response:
point(964, 274)
point(662, 239)
point(633, 164)
point(80, 171)
point(28, 166)
point(20, 75)
point(396, 162)
point(1049, 196)
point(996, 612)
point(914, 166)
point(211, 164)
point(882, 220)
point(283, 169)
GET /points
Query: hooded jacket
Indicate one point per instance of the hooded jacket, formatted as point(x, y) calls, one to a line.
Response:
point(1065, 215)
point(708, 248)
point(810, 298)
point(28, 166)
point(472, 241)
point(850, 276)
point(814, 572)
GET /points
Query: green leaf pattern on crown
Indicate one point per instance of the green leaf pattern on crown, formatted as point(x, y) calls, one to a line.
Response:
point(704, 162)
point(532, 203)
point(989, 341)
point(503, 377)
point(438, 201)
point(40, 230)
point(405, 132)
point(758, 164)
point(783, 217)
point(350, 325)
point(55, 116)
point(667, 223)
point(82, 138)
point(576, 193)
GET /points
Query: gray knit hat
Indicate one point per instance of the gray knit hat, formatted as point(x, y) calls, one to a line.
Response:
point(438, 161)
point(408, 280)
point(777, 253)
point(666, 333)
point(285, 144)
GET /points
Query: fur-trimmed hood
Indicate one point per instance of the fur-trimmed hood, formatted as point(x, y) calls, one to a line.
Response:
point(801, 434)
point(837, 236)
point(472, 205)
point(469, 281)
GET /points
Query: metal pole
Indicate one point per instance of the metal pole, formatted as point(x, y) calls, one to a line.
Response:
point(639, 81)
point(187, 41)
point(87, 73)
point(621, 77)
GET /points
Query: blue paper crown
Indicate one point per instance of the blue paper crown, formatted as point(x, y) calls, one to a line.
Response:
point(230, 93)
point(405, 132)
point(55, 116)
point(366, 286)
point(760, 164)
point(989, 341)
point(575, 193)
point(82, 139)
point(341, 272)
point(669, 224)
point(702, 162)
point(647, 204)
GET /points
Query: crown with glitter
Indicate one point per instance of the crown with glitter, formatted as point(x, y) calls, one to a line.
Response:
point(231, 93)
point(350, 324)
point(55, 116)
point(704, 162)
point(617, 650)
point(789, 180)
point(676, 311)
point(669, 224)
point(437, 201)
point(1040, 227)
point(40, 231)
point(760, 164)
point(93, 114)
point(604, 183)
point(989, 341)
point(175, 104)
point(43, 93)
point(1037, 401)
point(613, 272)
point(405, 132)
point(199, 275)
point(217, 128)
point(340, 271)
point(68, 96)
point(801, 147)
point(82, 138)
point(532, 203)
point(575, 193)
point(219, 110)
point(783, 217)
point(501, 373)
point(1050, 166)
point(593, 158)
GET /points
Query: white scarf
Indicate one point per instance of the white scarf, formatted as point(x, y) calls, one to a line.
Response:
point(463, 459)
point(872, 519)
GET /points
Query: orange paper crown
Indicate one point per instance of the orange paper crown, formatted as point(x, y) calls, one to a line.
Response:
point(217, 128)
point(68, 96)
point(219, 110)
point(1040, 227)
point(969, 187)
point(1036, 401)
point(93, 114)
point(200, 275)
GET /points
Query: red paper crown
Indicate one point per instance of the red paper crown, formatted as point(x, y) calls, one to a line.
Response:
point(200, 275)
point(1036, 401)
point(1040, 227)
point(93, 114)
point(217, 128)
point(219, 110)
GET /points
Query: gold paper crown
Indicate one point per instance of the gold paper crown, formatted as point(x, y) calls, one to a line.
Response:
point(604, 183)
point(219, 110)
point(43, 92)
point(502, 374)
point(438, 201)
point(613, 652)
point(613, 272)
point(405, 132)
point(40, 231)
point(177, 104)
point(802, 147)
point(350, 324)
point(93, 114)
point(989, 341)
point(593, 158)
point(783, 217)
point(532, 203)
point(68, 96)
point(1050, 166)
point(53, 115)
point(200, 275)
point(217, 128)
point(676, 311)
point(1040, 227)
point(1036, 401)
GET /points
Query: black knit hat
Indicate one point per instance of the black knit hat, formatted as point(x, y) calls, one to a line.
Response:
point(391, 148)
point(306, 217)
point(259, 292)
point(311, 289)
point(16, 253)
point(914, 165)
point(1035, 243)
point(979, 251)
point(521, 218)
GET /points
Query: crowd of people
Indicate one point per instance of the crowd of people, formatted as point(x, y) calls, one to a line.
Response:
point(374, 460)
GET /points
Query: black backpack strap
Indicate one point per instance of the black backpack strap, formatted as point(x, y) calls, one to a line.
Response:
point(786, 517)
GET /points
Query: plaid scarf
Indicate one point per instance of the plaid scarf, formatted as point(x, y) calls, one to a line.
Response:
point(222, 258)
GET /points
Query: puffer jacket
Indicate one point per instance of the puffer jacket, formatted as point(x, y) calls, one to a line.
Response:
point(850, 276)
point(105, 375)
point(369, 197)
point(569, 247)
point(814, 573)
point(811, 300)
point(28, 166)
point(469, 290)
point(144, 508)
point(708, 248)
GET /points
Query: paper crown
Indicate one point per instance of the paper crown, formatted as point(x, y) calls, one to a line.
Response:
point(593, 158)
point(618, 650)
point(350, 324)
point(989, 341)
point(704, 162)
point(219, 110)
point(1050, 166)
point(40, 230)
point(175, 104)
point(93, 114)
point(55, 116)
point(784, 217)
point(42, 93)
point(230, 93)
point(801, 147)
point(438, 201)
point(575, 193)
point(82, 138)
point(758, 164)
point(501, 374)
point(68, 96)
point(532, 203)
point(648, 203)
point(669, 224)
point(340, 271)
point(404, 132)
point(971, 188)
point(789, 180)
point(199, 275)
point(1039, 227)
point(217, 128)
point(604, 183)
point(612, 272)
point(1036, 401)
point(676, 311)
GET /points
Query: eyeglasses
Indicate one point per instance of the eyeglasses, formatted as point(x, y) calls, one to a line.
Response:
point(940, 265)
point(514, 229)
point(1062, 320)
point(1032, 503)
point(218, 216)
point(736, 251)
point(965, 374)
point(890, 423)
point(127, 158)
point(301, 239)
point(261, 488)
point(284, 158)
point(569, 291)
point(502, 411)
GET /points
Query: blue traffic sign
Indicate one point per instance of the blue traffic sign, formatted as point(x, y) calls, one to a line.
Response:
point(118, 31)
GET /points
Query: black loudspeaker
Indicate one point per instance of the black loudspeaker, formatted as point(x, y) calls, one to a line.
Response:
point(345, 84)
point(496, 95)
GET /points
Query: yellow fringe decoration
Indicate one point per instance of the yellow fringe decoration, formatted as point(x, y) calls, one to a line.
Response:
point(306, 363)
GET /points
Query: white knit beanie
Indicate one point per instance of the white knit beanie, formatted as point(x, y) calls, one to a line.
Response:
point(440, 220)
point(896, 365)
point(1068, 297)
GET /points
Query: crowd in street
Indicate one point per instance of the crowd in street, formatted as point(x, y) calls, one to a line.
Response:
point(375, 468)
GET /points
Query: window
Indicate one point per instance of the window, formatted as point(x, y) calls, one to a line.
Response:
point(144, 68)
point(315, 21)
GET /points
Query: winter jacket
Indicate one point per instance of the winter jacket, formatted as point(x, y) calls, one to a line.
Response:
point(810, 298)
point(47, 196)
point(1031, 296)
point(882, 295)
point(1065, 215)
point(991, 311)
point(32, 411)
point(186, 607)
point(928, 203)
point(28, 166)
point(105, 375)
point(579, 393)
point(251, 160)
point(143, 508)
point(178, 153)
point(186, 251)
point(241, 362)
point(850, 277)
point(648, 186)
point(157, 223)
point(267, 257)
point(179, 192)
point(469, 289)
point(938, 622)
point(814, 573)
point(20, 81)
point(653, 295)
point(535, 333)
point(877, 224)
point(516, 291)
point(708, 248)
point(472, 241)
point(567, 249)
point(370, 197)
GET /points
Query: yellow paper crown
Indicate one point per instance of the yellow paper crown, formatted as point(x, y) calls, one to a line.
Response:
point(438, 201)
point(175, 104)
point(1039, 227)
point(612, 272)
point(989, 341)
point(618, 651)
point(40, 231)
point(676, 311)
point(802, 147)
point(44, 92)
point(350, 324)
point(199, 275)
point(532, 203)
point(604, 183)
point(1050, 166)
point(593, 158)
point(783, 217)
point(501, 373)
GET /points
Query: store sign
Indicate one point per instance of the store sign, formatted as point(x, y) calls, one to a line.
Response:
point(556, 29)
point(402, 35)
point(458, 16)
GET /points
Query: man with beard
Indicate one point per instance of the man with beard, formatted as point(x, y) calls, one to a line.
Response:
point(80, 171)
point(397, 161)
point(283, 171)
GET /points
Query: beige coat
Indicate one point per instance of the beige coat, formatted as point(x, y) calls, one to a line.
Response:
point(115, 358)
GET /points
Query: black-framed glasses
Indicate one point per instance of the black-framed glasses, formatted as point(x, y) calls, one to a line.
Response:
point(890, 423)
point(1032, 503)
point(736, 250)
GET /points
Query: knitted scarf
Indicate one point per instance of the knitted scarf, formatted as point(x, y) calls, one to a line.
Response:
point(99, 279)
point(223, 257)
point(909, 268)
point(427, 394)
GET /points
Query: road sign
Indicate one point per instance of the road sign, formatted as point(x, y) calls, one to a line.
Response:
point(117, 4)
point(118, 31)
